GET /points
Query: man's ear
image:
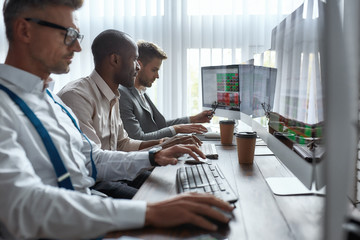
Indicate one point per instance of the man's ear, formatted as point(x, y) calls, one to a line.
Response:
point(141, 64)
point(115, 60)
point(22, 30)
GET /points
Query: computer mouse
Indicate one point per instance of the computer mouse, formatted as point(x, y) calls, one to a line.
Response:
point(229, 215)
point(190, 160)
point(212, 135)
point(193, 161)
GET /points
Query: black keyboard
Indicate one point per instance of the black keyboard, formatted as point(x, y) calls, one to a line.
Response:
point(203, 178)
point(307, 154)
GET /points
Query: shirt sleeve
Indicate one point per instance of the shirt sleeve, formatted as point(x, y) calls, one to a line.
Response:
point(116, 165)
point(172, 130)
point(127, 144)
point(182, 120)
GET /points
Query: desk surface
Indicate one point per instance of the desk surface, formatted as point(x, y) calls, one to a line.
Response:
point(259, 214)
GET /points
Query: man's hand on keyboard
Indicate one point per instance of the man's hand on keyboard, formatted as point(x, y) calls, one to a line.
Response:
point(190, 208)
point(190, 128)
point(170, 155)
point(181, 139)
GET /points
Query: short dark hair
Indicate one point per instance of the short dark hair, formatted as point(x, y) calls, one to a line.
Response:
point(109, 42)
point(149, 51)
point(13, 8)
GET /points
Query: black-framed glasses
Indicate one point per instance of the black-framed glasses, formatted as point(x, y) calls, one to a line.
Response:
point(71, 33)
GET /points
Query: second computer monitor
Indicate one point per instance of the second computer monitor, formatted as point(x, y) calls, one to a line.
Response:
point(220, 88)
point(238, 88)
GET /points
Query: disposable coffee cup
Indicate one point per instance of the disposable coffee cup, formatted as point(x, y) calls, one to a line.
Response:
point(245, 142)
point(227, 131)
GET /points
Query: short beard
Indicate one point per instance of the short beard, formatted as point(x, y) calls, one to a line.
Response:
point(60, 70)
point(144, 83)
point(127, 83)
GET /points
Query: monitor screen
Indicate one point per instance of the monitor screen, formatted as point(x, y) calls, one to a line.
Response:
point(298, 104)
point(239, 88)
point(220, 86)
point(293, 130)
point(246, 73)
point(263, 90)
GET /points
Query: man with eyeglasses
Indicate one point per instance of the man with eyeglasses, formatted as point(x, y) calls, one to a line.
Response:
point(46, 164)
point(71, 34)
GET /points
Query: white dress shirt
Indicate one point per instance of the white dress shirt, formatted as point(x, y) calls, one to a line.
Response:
point(97, 108)
point(32, 205)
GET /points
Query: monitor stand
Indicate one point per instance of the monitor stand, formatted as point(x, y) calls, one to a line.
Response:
point(290, 186)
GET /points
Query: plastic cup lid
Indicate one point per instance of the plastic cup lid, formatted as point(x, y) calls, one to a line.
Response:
point(227, 122)
point(246, 134)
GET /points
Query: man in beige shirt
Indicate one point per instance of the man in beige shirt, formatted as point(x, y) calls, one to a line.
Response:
point(95, 102)
point(97, 108)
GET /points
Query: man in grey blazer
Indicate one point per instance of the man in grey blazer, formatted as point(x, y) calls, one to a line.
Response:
point(142, 120)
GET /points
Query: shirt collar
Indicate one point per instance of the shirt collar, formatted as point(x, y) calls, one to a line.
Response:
point(103, 87)
point(26, 81)
point(141, 89)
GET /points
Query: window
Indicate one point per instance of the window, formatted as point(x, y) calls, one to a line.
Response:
point(193, 33)
point(241, 7)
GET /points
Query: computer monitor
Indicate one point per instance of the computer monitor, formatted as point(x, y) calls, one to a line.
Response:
point(238, 88)
point(220, 87)
point(342, 118)
point(264, 81)
point(246, 74)
point(295, 121)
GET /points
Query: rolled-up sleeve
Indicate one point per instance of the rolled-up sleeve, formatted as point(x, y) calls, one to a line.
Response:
point(116, 165)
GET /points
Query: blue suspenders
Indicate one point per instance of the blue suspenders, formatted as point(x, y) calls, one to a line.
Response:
point(63, 176)
point(93, 167)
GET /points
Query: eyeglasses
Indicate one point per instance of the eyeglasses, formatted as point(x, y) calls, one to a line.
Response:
point(71, 34)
